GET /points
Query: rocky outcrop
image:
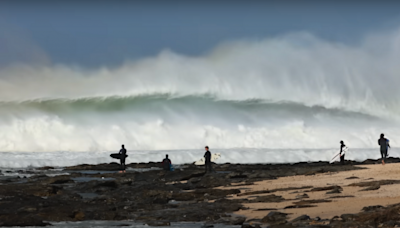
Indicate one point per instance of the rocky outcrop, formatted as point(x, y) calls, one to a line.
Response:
point(157, 197)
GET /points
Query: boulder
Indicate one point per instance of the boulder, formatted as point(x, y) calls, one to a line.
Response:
point(22, 221)
point(301, 218)
point(275, 217)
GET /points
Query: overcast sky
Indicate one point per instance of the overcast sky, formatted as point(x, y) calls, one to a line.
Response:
point(107, 33)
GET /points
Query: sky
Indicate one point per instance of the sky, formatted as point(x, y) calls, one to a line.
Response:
point(93, 34)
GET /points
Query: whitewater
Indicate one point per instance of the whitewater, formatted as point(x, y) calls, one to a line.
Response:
point(282, 99)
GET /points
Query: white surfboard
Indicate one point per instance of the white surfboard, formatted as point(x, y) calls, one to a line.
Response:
point(214, 157)
point(337, 155)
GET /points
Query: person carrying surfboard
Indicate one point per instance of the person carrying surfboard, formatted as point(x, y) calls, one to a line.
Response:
point(384, 143)
point(122, 152)
point(342, 146)
point(207, 157)
point(166, 163)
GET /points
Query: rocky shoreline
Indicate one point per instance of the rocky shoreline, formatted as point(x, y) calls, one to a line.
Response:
point(155, 197)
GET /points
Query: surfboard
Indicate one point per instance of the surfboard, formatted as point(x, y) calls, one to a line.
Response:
point(387, 148)
point(337, 155)
point(117, 156)
point(214, 157)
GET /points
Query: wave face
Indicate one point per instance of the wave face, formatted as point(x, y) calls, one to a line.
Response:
point(164, 121)
point(291, 92)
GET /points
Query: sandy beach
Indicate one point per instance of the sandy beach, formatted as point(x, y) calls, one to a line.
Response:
point(348, 199)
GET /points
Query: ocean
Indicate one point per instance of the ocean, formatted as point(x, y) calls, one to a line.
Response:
point(268, 101)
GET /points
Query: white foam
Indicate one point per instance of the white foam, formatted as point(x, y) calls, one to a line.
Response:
point(47, 134)
point(297, 68)
point(62, 159)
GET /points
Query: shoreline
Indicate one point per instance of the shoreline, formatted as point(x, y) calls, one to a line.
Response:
point(229, 196)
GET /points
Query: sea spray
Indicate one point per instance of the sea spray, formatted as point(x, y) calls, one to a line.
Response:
point(292, 92)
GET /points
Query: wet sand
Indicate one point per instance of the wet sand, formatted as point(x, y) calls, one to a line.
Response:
point(354, 203)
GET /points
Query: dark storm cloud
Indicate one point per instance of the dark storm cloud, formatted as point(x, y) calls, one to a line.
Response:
point(95, 33)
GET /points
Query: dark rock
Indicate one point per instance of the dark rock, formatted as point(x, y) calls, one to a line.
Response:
point(372, 208)
point(371, 188)
point(237, 221)
point(22, 221)
point(375, 183)
point(299, 206)
point(62, 181)
point(275, 217)
point(160, 200)
point(266, 209)
point(317, 219)
point(274, 190)
point(207, 226)
point(338, 197)
point(335, 217)
point(111, 166)
point(353, 177)
point(370, 161)
point(144, 196)
point(158, 223)
point(318, 226)
point(108, 184)
point(379, 216)
point(45, 168)
point(306, 202)
point(193, 175)
point(334, 187)
point(250, 226)
point(334, 191)
point(78, 215)
point(281, 226)
point(268, 198)
point(304, 196)
point(211, 181)
point(301, 218)
point(253, 223)
point(347, 217)
point(236, 175)
point(392, 223)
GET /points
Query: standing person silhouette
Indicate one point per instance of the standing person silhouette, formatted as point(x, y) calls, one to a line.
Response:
point(166, 163)
point(122, 153)
point(384, 143)
point(207, 156)
point(342, 146)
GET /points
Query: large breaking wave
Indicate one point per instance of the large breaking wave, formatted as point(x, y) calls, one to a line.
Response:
point(289, 92)
point(165, 121)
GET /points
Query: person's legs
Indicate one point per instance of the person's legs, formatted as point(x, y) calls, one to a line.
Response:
point(122, 163)
point(208, 167)
point(342, 159)
point(383, 155)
